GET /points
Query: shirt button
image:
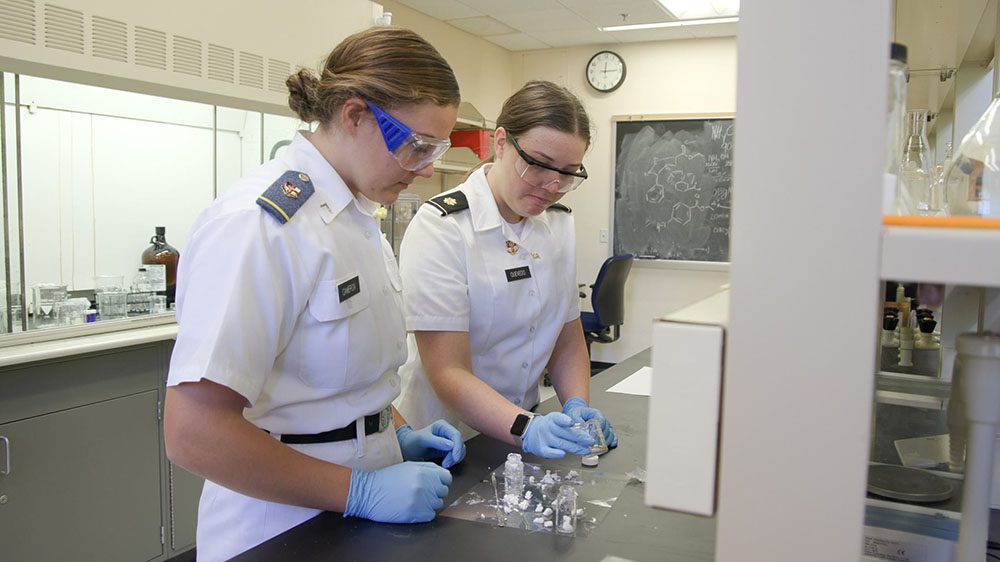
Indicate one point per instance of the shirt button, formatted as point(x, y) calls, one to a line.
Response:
point(368, 234)
point(399, 345)
point(385, 290)
point(524, 365)
point(531, 329)
point(531, 293)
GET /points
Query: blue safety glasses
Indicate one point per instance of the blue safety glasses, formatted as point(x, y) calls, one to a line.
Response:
point(412, 150)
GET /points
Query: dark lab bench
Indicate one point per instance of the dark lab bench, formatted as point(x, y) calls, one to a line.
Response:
point(630, 530)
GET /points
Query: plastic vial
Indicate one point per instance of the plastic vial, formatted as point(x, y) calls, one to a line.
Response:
point(565, 522)
point(513, 475)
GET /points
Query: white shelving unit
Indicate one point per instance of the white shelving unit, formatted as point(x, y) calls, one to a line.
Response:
point(953, 256)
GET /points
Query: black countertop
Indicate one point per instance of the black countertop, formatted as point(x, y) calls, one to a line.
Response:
point(630, 530)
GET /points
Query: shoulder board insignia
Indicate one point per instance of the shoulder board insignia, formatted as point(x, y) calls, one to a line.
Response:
point(449, 203)
point(286, 195)
point(559, 207)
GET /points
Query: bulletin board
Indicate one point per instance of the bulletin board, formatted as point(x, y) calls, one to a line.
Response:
point(673, 186)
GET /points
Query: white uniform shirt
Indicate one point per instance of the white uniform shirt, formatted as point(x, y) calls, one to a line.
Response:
point(259, 312)
point(461, 275)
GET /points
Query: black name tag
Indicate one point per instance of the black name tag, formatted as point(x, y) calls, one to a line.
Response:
point(348, 289)
point(518, 273)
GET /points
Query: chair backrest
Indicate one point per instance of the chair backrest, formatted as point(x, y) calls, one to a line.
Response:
point(608, 296)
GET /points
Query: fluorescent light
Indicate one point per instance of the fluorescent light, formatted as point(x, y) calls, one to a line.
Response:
point(701, 9)
point(685, 23)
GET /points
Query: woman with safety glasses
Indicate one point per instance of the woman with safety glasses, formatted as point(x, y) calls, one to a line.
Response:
point(491, 296)
point(290, 312)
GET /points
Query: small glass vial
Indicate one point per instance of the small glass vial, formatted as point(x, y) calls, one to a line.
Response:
point(513, 476)
point(565, 522)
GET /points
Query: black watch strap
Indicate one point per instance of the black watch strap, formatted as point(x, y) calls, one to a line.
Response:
point(520, 425)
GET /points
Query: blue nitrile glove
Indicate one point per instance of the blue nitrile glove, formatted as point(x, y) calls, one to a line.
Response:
point(552, 436)
point(408, 492)
point(439, 439)
point(578, 409)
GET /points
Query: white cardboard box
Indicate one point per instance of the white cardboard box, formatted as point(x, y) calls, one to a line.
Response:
point(684, 406)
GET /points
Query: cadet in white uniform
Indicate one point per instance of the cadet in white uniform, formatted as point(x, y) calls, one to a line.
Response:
point(490, 292)
point(289, 306)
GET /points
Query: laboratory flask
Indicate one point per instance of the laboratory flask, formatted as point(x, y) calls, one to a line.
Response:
point(915, 197)
point(973, 178)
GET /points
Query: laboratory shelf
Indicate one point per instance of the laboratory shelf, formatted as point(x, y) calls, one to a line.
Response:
point(959, 256)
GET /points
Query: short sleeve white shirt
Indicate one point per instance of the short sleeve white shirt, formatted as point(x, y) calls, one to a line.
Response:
point(260, 312)
point(470, 271)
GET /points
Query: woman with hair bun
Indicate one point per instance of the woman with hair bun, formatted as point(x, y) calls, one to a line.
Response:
point(289, 307)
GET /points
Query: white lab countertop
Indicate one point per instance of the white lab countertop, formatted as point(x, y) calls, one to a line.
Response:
point(39, 345)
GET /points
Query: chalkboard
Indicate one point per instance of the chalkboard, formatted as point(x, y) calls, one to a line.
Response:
point(673, 187)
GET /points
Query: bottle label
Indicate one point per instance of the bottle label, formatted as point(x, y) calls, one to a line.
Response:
point(157, 277)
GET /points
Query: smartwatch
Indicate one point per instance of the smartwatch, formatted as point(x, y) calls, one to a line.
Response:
point(520, 425)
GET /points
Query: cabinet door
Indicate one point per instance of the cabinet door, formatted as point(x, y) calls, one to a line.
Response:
point(84, 483)
point(185, 492)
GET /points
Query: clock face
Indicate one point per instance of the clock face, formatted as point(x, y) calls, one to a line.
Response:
point(605, 71)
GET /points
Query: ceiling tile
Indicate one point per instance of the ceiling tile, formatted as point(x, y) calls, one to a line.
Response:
point(661, 34)
point(442, 9)
point(603, 14)
point(482, 26)
point(517, 42)
point(543, 20)
point(714, 30)
point(492, 7)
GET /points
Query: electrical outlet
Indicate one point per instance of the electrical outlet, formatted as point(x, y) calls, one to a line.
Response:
point(604, 236)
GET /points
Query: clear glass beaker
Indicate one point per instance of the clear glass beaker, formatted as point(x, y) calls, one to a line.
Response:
point(103, 283)
point(112, 304)
point(46, 295)
point(973, 179)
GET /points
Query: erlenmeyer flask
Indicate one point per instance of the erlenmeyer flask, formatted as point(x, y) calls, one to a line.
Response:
point(973, 179)
point(916, 196)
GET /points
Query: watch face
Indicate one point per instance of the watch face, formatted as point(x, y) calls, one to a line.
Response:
point(520, 424)
point(605, 71)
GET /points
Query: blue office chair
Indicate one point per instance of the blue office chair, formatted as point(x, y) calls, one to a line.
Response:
point(608, 299)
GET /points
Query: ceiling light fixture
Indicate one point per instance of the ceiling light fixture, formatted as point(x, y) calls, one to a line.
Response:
point(685, 23)
point(701, 9)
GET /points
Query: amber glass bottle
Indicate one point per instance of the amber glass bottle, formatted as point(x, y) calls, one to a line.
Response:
point(162, 253)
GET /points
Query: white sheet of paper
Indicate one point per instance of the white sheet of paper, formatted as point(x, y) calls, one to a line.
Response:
point(637, 383)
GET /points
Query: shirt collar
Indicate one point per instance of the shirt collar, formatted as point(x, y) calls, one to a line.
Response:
point(486, 214)
point(303, 156)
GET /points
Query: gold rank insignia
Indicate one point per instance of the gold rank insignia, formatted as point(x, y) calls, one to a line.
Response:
point(511, 248)
point(450, 201)
point(291, 190)
point(535, 256)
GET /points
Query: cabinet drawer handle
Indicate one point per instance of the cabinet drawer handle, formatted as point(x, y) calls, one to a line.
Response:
point(5, 469)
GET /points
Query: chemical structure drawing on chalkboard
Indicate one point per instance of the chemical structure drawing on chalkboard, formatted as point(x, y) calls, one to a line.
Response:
point(673, 187)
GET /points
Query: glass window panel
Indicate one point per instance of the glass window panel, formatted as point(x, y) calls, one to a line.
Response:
point(278, 133)
point(237, 144)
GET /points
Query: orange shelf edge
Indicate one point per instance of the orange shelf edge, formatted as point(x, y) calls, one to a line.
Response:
point(941, 222)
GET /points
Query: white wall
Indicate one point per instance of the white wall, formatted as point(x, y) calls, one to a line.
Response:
point(665, 77)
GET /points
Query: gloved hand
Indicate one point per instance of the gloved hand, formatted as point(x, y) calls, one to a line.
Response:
point(578, 409)
point(439, 439)
point(408, 492)
point(552, 436)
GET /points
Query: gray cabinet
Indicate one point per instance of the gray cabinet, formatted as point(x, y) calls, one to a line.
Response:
point(88, 477)
point(84, 483)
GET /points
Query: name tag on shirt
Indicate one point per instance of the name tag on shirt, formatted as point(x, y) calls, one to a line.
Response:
point(349, 288)
point(518, 273)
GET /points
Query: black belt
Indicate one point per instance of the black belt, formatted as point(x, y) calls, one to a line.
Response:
point(375, 423)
